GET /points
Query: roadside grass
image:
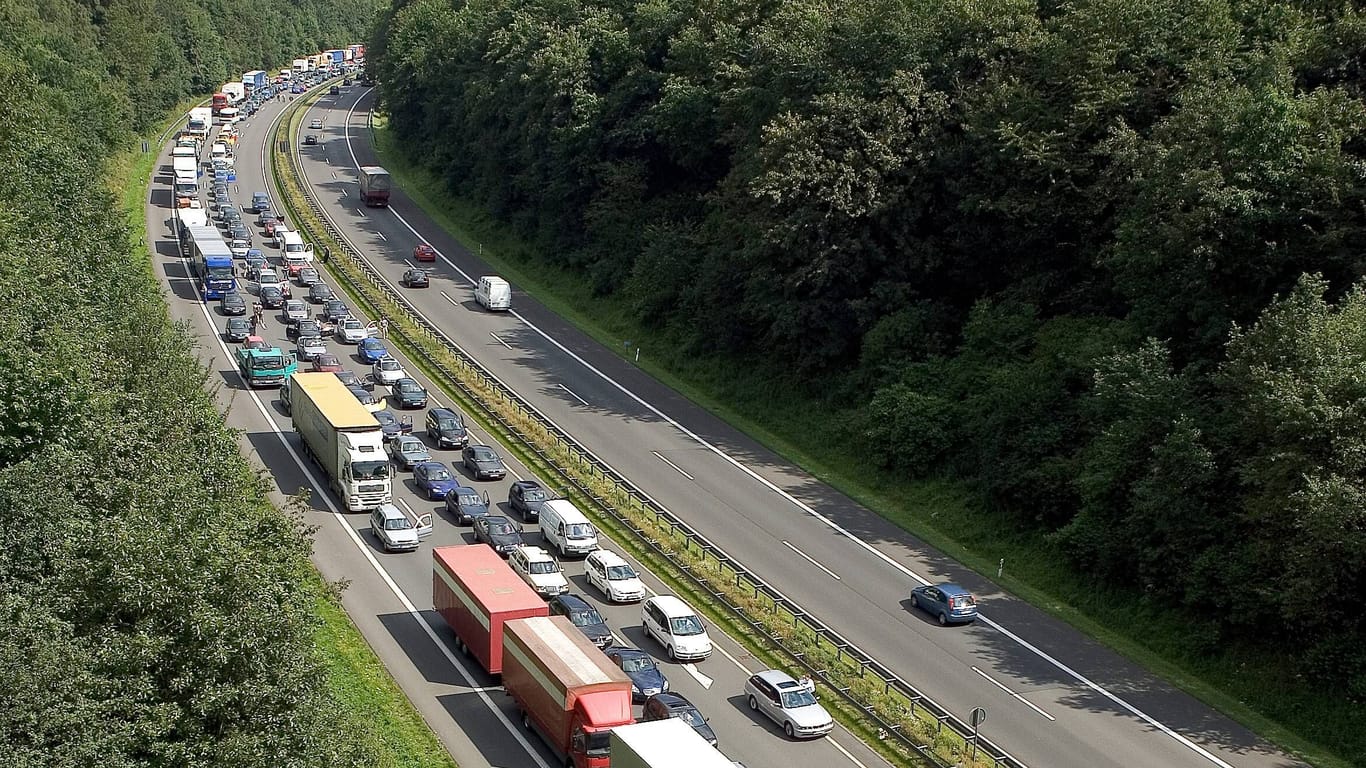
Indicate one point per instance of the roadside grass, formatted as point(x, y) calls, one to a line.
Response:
point(1256, 687)
point(368, 700)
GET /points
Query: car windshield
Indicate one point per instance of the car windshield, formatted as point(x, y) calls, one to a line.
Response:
point(220, 271)
point(397, 524)
point(482, 454)
point(541, 566)
point(501, 526)
point(437, 474)
point(369, 470)
point(691, 717)
point(586, 618)
point(385, 419)
point(618, 572)
point(635, 663)
point(388, 365)
point(578, 530)
point(534, 494)
point(471, 499)
point(795, 699)
point(408, 386)
point(448, 424)
point(684, 626)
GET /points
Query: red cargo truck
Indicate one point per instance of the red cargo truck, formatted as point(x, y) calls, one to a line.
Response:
point(565, 688)
point(475, 591)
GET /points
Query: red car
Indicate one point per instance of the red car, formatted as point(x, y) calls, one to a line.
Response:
point(325, 364)
point(424, 252)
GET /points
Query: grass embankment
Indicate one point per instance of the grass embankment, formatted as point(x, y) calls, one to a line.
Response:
point(368, 700)
point(1256, 689)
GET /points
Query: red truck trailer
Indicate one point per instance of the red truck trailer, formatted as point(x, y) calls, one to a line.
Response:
point(476, 592)
point(565, 688)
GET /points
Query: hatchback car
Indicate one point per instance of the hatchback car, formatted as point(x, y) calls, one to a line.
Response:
point(319, 293)
point(271, 296)
point(788, 703)
point(268, 276)
point(434, 480)
point(498, 532)
point(260, 202)
point(306, 327)
point(365, 397)
point(646, 677)
point(675, 626)
point(316, 123)
point(309, 347)
point(408, 451)
point(387, 371)
point(465, 504)
point(526, 497)
point(255, 263)
point(393, 529)
point(483, 462)
point(239, 247)
point(325, 364)
point(948, 603)
point(663, 706)
point(610, 574)
point(236, 330)
point(310, 139)
point(415, 278)
point(446, 428)
point(392, 426)
point(424, 252)
point(583, 616)
point(539, 570)
point(352, 381)
point(306, 277)
point(334, 309)
point(295, 310)
point(265, 220)
point(371, 350)
point(351, 331)
point(407, 393)
point(232, 303)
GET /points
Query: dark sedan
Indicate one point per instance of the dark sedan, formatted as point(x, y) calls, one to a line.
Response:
point(407, 393)
point(646, 679)
point(237, 329)
point(483, 462)
point(583, 616)
point(272, 297)
point(334, 309)
point(232, 303)
point(526, 497)
point(415, 278)
point(465, 504)
point(663, 706)
point(319, 293)
point(392, 426)
point(498, 532)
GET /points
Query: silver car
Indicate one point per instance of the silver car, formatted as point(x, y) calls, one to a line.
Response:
point(310, 347)
point(393, 529)
point(408, 451)
point(788, 703)
point(388, 370)
point(296, 310)
point(352, 331)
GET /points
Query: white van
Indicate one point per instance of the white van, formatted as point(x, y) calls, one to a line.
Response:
point(566, 529)
point(493, 293)
point(676, 627)
point(219, 151)
point(292, 243)
point(184, 151)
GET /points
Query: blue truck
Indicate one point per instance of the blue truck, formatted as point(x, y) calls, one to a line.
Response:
point(338, 56)
point(254, 79)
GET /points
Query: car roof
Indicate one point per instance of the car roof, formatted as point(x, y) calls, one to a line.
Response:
point(527, 484)
point(442, 412)
point(572, 602)
point(672, 700)
point(777, 678)
point(459, 489)
point(533, 552)
point(607, 557)
point(389, 510)
point(952, 590)
point(625, 650)
point(672, 606)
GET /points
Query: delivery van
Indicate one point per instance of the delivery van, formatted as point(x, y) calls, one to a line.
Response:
point(566, 529)
point(493, 293)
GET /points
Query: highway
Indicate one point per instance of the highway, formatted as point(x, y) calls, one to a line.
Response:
point(1053, 696)
point(389, 595)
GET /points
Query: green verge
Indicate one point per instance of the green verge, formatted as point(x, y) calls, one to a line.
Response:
point(1259, 691)
point(369, 701)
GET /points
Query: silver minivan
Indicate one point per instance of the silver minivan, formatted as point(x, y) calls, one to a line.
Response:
point(566, 529)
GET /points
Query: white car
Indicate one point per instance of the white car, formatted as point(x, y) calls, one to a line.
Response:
point(788, 703)
point(675, 626)
point(239, 248)
point(295, 310)
point(393, 529)
point(614, 577)
point(388, 370)
point(352, 331)
point(268, 277)
point(539, 569)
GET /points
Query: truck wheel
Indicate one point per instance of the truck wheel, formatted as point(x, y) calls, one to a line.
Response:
point(526, 720)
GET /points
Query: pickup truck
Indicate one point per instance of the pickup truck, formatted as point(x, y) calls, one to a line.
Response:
point(264, 366)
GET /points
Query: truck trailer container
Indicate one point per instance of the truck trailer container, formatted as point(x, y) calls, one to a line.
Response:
point(335, 56)
point(199, 122)
point(670, 743)
point(300, 65)
point(234, 91)
point(343, 437)
point(565, 688)
point(254, 79)
point(374, 186)
point(476, 592)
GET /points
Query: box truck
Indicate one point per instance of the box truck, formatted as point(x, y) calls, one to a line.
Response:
point(300, 65)
point(342, 437)
point(565, 688)
point(670, 743)
point(199, 122)
point(254, 79)
point(475, 592)
point(374, 186)
point(234, 91)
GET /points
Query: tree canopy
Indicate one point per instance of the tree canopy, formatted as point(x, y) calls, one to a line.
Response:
point(1097, 258)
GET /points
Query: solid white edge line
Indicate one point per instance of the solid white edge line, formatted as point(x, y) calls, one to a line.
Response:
point(810, 559)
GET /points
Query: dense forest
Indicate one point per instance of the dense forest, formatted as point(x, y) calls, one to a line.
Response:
point(154, 608)
point(1097, 259)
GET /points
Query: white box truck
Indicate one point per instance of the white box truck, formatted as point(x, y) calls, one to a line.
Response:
point(669, 743)
point(342, 437)
point(300, 65)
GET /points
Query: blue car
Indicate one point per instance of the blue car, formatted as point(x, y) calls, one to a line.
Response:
point(434, 480)
point(371, 350)
point(949, 603)
point(646, 679)
point(465, 504)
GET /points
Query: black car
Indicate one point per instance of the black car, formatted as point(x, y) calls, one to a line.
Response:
point(391, 425)
point(483, 462)
point(498, 532)
point(334, 91)
point(237, 329)
point(584, 616)
point(309, 327)
point(232, 303)
point(407, 393)
point(319, 293)
point(363, 395)
point(226, 212)
point(351, 380)
point(239, 232)
point(310, 139)
point(446, 428)
point(663, 706)
point(265, 218)
point(334, 309)
point(525, 497)
point(346, 81)
point(272, 297)
point(415, 278)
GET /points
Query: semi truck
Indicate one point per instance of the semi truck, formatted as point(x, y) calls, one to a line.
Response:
point(476, 592)
point(300, 65)
point(199, 122)
point(566, 690)
point(335, 56)
point(670, 743)
point(374, 186)
point(343, 437)
point(185, 181)
point(254, 79)
point(234, 91)
point(220, 102)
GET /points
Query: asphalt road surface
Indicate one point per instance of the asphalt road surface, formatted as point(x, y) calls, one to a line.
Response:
point(389, 595)
point(1054, 697)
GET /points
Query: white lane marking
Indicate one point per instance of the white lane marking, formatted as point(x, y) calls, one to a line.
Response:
point(810, 559)
point(660, 456)
point(447, 297)
point(360, 212)
point(408, 264)
point(698, 676)
point(334, 175)
point(561, 386)
point(1013, 694)
point(504, 343)
point(381, 235)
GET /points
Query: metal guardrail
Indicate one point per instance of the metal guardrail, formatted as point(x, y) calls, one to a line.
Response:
point(846, 651)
